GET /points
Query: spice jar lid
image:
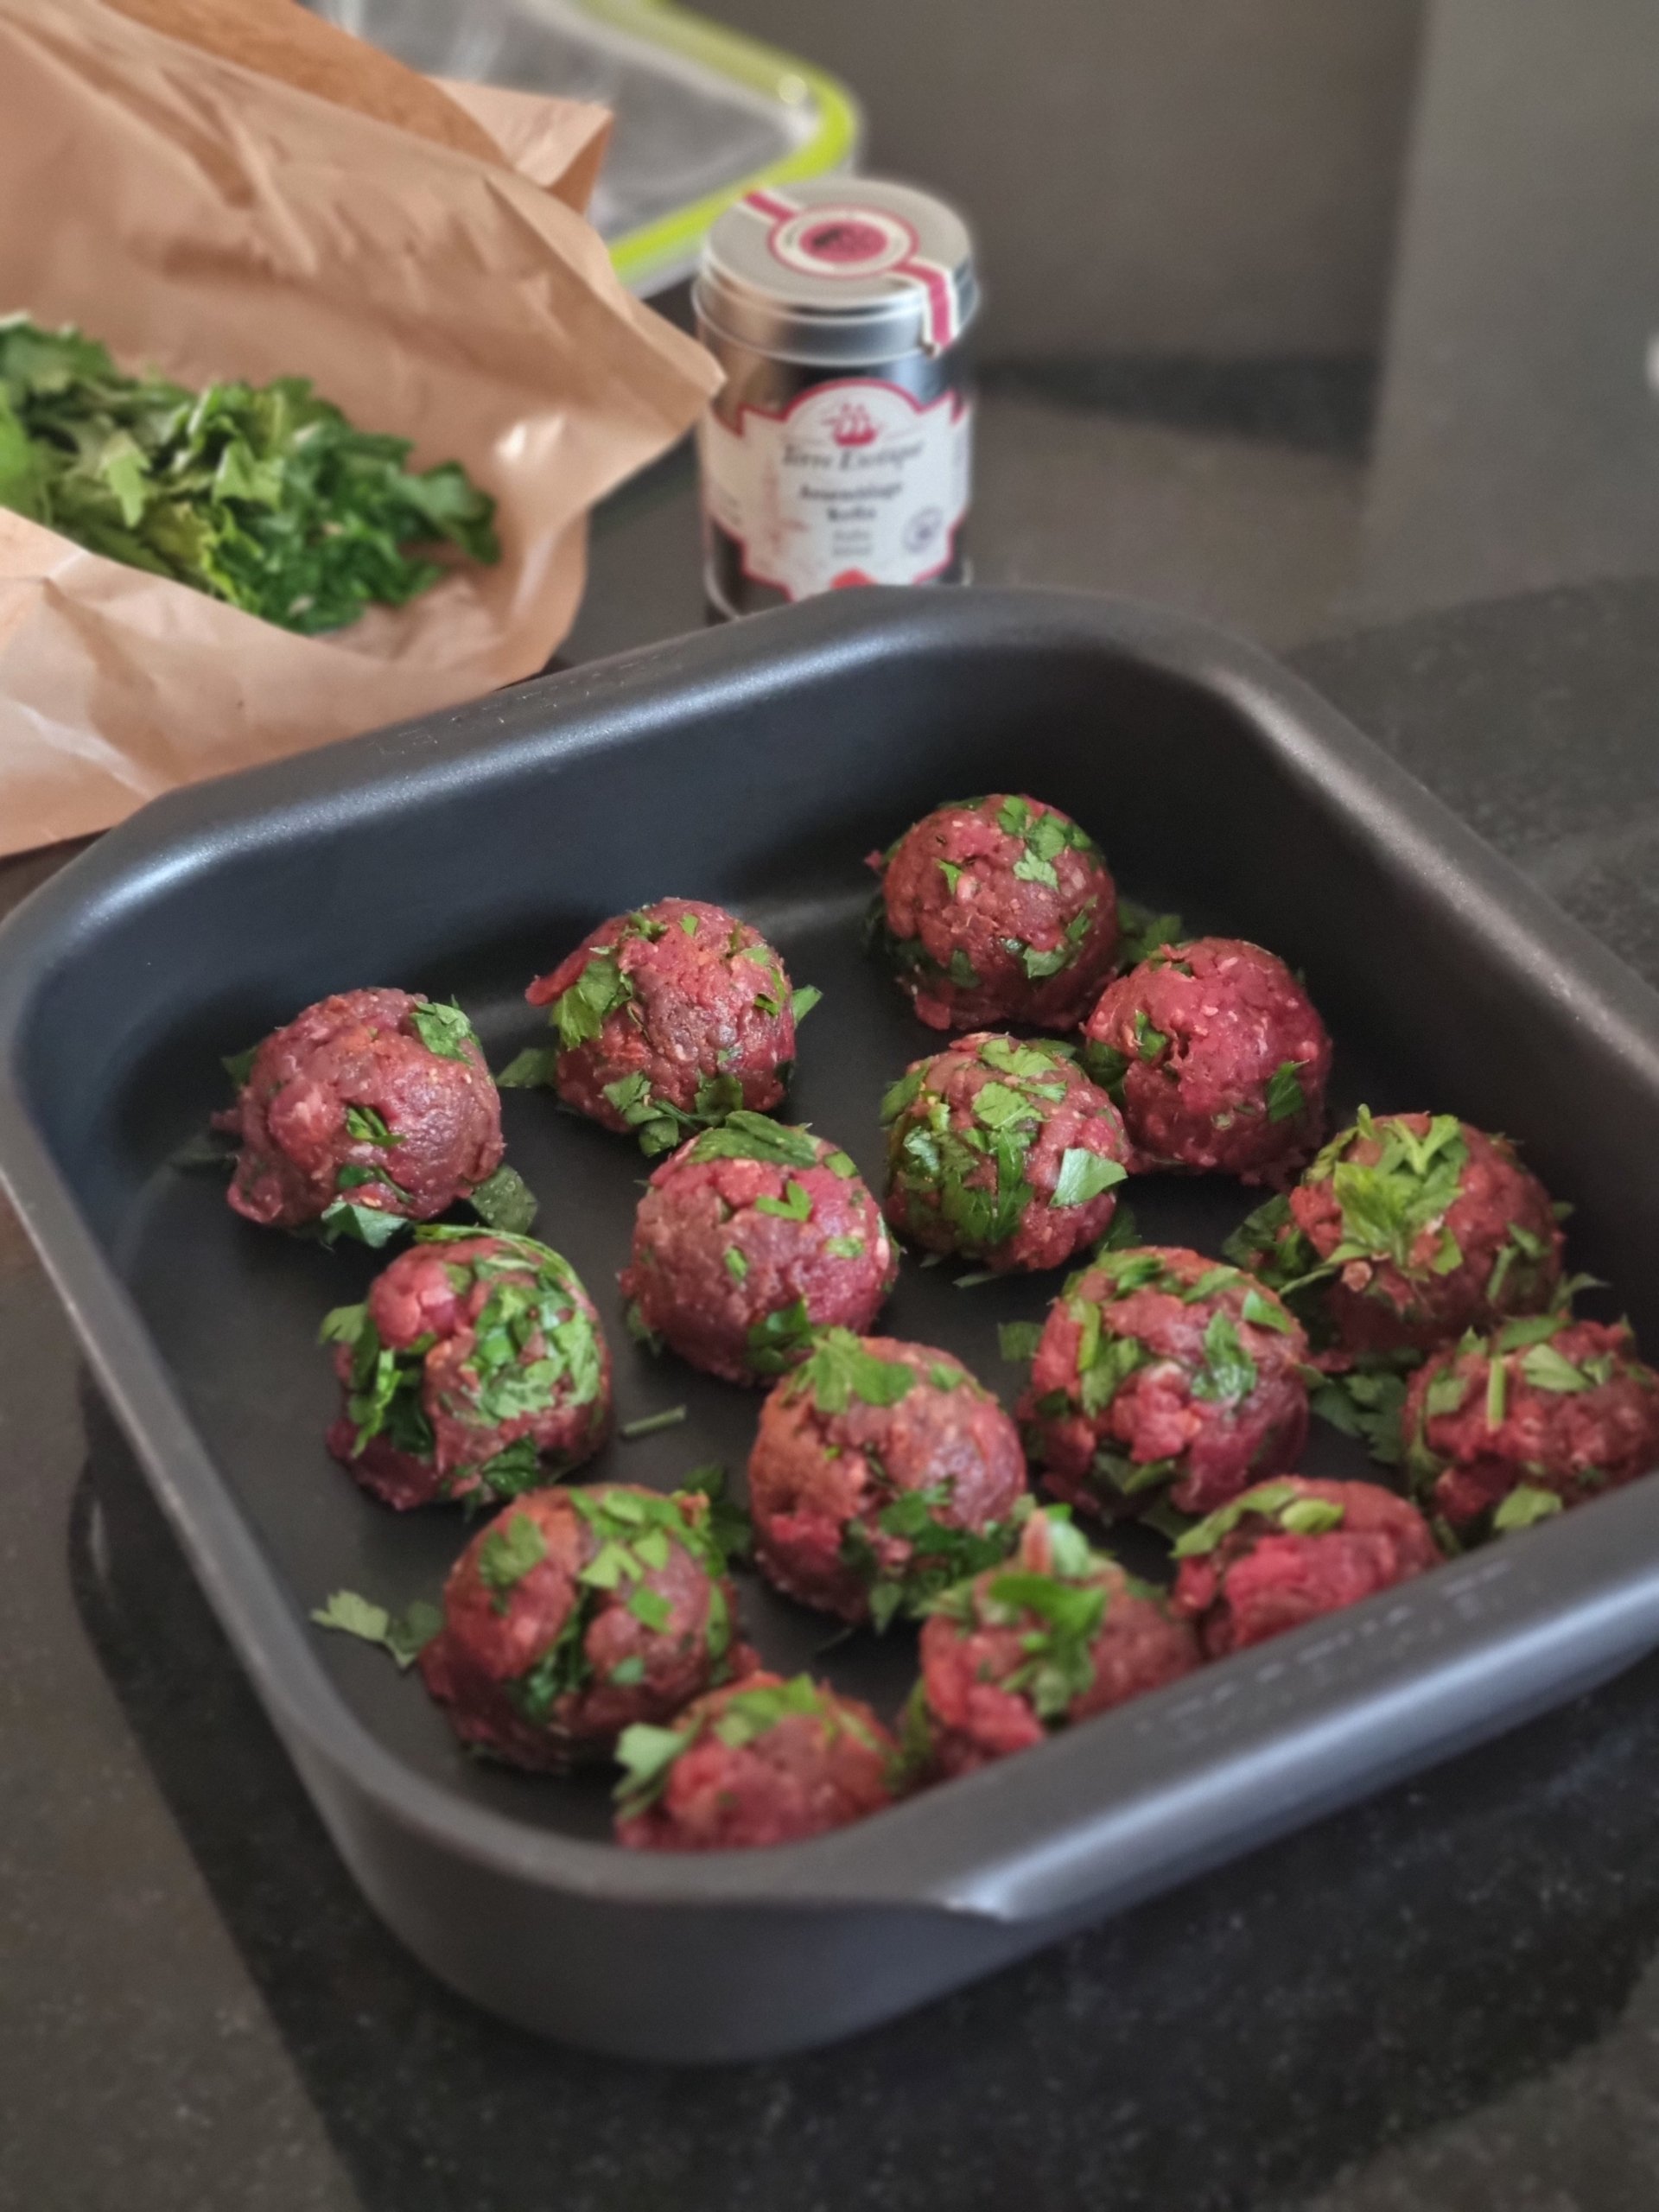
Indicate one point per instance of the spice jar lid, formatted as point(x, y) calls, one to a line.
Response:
point(839, 272)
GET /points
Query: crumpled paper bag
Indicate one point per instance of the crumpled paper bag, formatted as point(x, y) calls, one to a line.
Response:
point(212, 222)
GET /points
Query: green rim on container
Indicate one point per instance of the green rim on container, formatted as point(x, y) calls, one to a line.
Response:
point(673, 240)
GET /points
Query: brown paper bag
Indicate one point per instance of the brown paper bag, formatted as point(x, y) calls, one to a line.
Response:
point(212, 222)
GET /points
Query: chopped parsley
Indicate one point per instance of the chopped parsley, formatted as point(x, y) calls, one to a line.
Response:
point(368, 1127)
point(580, 1012)
point(1148, 1041)
point(1228, 1373)
point(776, 1341)
point(374, 1226)
point(1546, 1368)
point(533, 1069)
point(507, 1552)
point(504, 1202)
point(1060, 1611)
point(1141, 932)
point(1084, 1176)
point(444, 1030)
point(803, 998)
point(1523, 1506)
point(839, 1370)
point(1280, 1503)
point(1018, 1340)
point(649, 1424)
point(1285, 1097)
point(939, 1553)
point(735, 1263)
point(747, 1136)
point(646, 1754)
point(795, 1205)
point(239, 1065)
point(1367, 1399)
point(404, 1635)
point(974, 1179)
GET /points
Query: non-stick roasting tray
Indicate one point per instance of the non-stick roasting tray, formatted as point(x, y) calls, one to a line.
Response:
point(755, 765)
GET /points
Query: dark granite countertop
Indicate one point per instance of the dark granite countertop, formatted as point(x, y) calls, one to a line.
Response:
point(1331, 324)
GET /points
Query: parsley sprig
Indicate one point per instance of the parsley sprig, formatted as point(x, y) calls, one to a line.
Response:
point(1280, 1503)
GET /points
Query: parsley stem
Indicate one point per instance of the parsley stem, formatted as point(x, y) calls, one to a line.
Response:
point(649, 1424)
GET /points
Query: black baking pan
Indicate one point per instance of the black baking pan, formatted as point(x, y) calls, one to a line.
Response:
point(755, 765)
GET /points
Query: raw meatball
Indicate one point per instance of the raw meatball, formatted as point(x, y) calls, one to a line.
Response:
point(882, 1472)
point(373, 1100)
point(753, 1235)
point(1412, 1228)
point(1215, 1055)
point(1058, 1634)
point(1001, 1151)
point(1289, 1550)
point(764, 1762)
point(1548, 1413)
point(577, 1614)
point(1000, 909)
point(668, 1018)
point(1159, 1373)
point(476, 1364)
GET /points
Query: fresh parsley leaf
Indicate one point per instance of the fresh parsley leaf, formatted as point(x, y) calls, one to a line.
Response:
point(1285, 1098)
point(579, 1011)
point(369, 1225)
point(404, 1635)
point(1148, 1041)
point(844, 1247)
point(444, 1030)
point(1265, 1312)
point(1018, 1340)
point(507, 1554)
point(736, 1264)
point(645, 1753)
point(535, 1067)
point(803, 998)
point(747, 1136)
point(1142, 932)
point(368, 1127)
point(1031, 870)
point(795, 1205)
point(1446, 1392)
point(237, 1065)
point(902, 1094)
point(839, 1370)
point(729, 1525)
point(1546, 1368)
point(1122, 1232)
point(1228, 1373)
point(1084, 1175)
point(1524, 1506)
point(1272, 1502)
point(503, 1201)
point(774, 1340)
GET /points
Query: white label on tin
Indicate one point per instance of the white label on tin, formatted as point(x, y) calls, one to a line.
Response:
point(855, 483)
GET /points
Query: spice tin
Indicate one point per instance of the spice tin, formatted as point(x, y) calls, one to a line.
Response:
point(838, 452)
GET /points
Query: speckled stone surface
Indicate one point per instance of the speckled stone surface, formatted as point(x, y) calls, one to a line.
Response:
point(1446, 2000)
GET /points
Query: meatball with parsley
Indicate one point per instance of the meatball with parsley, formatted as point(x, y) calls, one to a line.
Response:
point(1217, 1059)
point(577, 1614)
point(1001, 1151)
point(667, 1018)
point(1052, 1636)
point(1408, 1230)
point(997, 910)
point(369, 1109)
point(1291, 1550)
point(475, 1367)
point(1161, 1374)
point(1548, 1412)
point(753, 1235)
point(761, 1763)
point(881, 1472)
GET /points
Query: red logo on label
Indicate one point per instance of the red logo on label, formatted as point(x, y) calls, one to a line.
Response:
point(853, 425)
point(844, 238)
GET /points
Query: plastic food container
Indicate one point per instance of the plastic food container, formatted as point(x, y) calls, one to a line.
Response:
point(755, 764)
point(702, 114)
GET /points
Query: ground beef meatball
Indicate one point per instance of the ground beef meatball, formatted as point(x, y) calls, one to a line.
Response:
point(1000, 909)
point(577, 1614)
point(1408, 1230)
point(751, 1237)
point(1001, 1151)
point(1289, 1550)
point(1058, 1634)
point(1160, 1374)
point(882, 1474)
point(476, 1364)
point(370, 1103)
point(764, 1762)
point(1504, 1430)
point(667, 1019)
point(1214, 1053)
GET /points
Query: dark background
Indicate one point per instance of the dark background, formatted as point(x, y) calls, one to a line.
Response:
point(1331, 323)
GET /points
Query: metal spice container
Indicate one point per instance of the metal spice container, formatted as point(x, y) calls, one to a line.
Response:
point(838, 452)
